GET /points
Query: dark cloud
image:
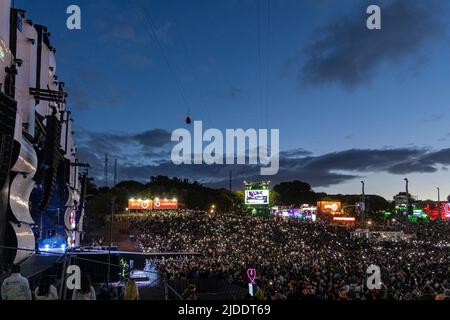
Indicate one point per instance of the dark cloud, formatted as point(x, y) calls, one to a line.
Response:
point(112, 141)
point(349, 54)
point(320, 171)
point(152, 138)
point(442, 157)
point(295, 153)
point(367, 160)
point(131, 150)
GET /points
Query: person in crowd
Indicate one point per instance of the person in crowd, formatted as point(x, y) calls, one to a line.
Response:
point(131, 290)
point(86, 292)
point(16, 286)
point(45, 290)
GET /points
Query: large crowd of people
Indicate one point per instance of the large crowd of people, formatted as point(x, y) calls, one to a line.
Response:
point(299, 259)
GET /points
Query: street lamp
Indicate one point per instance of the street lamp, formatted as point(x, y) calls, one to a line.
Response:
point(407, 197)
point(439, 203)
point(363, 200)
point(108, 276)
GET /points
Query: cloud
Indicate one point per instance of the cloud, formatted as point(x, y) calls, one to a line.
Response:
point(346, 53)
point(147, 154)
point(152, 138)
point(295, 153)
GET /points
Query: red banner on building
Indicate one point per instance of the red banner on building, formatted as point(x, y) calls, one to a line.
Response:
point(139, 204)
point(165, 204)
point(432, 210)
point(329, 206)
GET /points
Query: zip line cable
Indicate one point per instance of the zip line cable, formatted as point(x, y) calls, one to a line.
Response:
point(154, 35)
point(260, 96)
point(268, 63)
point(264, 66)
point(204, 110)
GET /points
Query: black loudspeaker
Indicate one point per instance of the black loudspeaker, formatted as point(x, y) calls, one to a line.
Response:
point(51, 159)
point(8, 109)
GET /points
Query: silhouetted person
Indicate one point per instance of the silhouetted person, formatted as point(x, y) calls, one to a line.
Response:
point(45, 290)
point(86, 291)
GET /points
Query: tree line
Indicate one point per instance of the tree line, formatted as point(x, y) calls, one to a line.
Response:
point(193, 195)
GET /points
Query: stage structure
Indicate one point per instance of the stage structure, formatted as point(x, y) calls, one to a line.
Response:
point(41, 189)
point(257, 197)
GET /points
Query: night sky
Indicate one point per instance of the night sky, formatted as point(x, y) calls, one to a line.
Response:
point(351, 104)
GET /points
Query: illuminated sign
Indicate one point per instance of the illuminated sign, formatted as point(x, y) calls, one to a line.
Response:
point(256, 196)
point(161, 204)
point(329, 206)
point(251, 275)
point(72, 219)
point(447, 210)
point(432, 210)
point(139, 204)
point(344, 219)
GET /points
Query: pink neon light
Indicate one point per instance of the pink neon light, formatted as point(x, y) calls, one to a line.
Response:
point(251, 274)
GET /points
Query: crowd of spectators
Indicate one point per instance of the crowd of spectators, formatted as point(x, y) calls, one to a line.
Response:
point(298, 259)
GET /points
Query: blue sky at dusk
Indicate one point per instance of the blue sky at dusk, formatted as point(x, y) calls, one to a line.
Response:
point(351, 104)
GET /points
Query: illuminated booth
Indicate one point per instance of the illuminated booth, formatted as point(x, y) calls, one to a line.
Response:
point(305, 212)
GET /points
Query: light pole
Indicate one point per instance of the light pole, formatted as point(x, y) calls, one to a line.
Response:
point(363, 200)
point(407, 197)
point(439, 203)
point(113, 202)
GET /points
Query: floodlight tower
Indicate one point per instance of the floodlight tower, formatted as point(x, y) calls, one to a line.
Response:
point(363, 201)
